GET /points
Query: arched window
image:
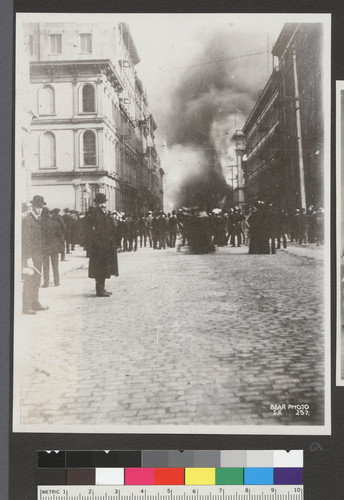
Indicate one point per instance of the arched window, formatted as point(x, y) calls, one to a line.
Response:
point(89, 148)
point(47, 150)
point(88, 99)
point(46, 105)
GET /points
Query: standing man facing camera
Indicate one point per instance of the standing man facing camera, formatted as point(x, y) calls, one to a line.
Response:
point(32, 256)
point(101, 246)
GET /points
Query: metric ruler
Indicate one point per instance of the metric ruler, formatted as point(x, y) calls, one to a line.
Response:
point(226, 492)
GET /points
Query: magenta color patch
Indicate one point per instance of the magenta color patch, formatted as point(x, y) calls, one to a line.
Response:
point(142, 476)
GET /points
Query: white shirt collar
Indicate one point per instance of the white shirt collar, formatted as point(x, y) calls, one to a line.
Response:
point(35, 215)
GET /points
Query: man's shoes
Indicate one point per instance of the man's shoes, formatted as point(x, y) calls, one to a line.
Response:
point(103, 294)
point(45, 285)
point(57, 284)
point(28, 311)
point(39, 307)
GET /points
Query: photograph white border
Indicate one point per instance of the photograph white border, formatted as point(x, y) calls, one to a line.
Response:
point(325, 429)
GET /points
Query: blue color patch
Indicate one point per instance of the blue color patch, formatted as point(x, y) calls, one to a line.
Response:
point(258, 475)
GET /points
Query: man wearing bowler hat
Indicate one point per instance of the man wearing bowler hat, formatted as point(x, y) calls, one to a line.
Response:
point(101, 246)
point(55, 215)
point(32, 256)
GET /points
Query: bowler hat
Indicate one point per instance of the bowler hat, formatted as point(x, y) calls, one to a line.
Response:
point(38, 201)
point(100, 198)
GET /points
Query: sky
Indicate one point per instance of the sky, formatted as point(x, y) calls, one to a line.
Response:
point(203, 74)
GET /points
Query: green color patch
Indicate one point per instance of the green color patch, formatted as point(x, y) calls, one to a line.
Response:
point(229, 475)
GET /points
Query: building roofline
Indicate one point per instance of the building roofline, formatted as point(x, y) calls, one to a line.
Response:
point(155, 126)
point(129, 43)
point(284, 38)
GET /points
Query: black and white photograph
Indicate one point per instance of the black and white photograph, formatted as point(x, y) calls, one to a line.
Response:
point(340, 231)
point(172, 223)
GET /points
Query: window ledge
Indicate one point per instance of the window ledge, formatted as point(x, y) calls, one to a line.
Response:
point(87, 112)
point(46, 115)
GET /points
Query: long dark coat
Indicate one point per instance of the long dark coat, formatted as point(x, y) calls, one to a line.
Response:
point(52, 236)
point(101, 246)
point(32, 240)
point(259, 236)
point(60, 221)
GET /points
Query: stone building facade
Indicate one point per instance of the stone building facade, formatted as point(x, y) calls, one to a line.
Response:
point(92, 130)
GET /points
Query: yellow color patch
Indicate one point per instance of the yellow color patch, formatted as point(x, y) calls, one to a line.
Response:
point(196, 476)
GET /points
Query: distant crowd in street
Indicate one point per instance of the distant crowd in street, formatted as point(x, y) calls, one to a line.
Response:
point(49, 236)
point(263, 229)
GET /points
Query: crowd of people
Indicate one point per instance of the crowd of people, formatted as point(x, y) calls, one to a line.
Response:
point(48, 236)
point(263, 229)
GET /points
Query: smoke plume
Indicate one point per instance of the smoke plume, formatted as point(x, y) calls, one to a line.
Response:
point(212, 99)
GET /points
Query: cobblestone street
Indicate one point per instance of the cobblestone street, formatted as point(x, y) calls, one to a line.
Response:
point(184, 339)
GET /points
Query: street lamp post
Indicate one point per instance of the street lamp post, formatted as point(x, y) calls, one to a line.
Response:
point(239, 139)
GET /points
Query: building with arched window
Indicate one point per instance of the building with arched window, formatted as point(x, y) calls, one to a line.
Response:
point(47, 150)
point(91, 123)
point(88, 98)
point(89, 148)
point(46, 100)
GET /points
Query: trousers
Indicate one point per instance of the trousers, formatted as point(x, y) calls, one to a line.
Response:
point(31, 287)
point(54, 259)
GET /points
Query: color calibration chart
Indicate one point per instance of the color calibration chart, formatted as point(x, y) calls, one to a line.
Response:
point(170, 475)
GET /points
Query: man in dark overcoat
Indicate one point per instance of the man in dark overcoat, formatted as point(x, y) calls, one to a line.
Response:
point(155, 230)
point(142, 230)
point(68, 221)
point(52, 246)
point(236, 221)
point(162, 227)
point(101, 246)
point(55, 215)
point(32, 256)
point(173, 228)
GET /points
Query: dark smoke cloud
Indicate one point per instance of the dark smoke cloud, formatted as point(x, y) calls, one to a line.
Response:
point(210, 102)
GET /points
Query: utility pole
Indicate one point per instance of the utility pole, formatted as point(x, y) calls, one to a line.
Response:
point(299, 135)
point(239, 139)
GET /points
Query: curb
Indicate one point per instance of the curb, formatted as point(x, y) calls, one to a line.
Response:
point(314, 257)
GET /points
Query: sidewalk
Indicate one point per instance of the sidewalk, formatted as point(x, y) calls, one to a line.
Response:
point(78, 260)
point(310, 251)
point(74, 261)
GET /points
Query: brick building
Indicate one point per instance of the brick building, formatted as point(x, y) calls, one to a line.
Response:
point(285, 130)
